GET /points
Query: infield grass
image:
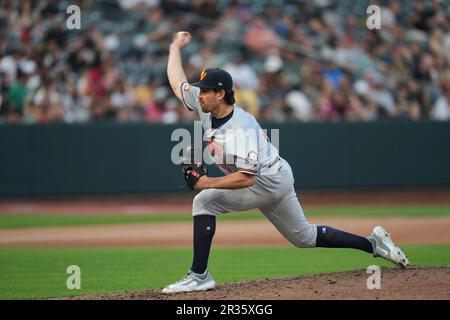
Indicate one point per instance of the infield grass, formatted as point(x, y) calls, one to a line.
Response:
point(8, 220)
point(36, 273)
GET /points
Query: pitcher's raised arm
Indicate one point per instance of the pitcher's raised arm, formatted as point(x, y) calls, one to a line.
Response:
point(175, 71)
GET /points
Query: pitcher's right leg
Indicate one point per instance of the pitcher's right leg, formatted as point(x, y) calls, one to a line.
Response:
point(287, 216)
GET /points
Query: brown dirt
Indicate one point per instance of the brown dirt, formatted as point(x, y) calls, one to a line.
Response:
point(229, 233)
point(416, 284)
point(170, 203)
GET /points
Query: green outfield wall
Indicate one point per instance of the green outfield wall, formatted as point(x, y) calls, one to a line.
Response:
point(110, 158)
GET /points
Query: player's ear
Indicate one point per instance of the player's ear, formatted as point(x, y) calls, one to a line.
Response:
point(221, 94)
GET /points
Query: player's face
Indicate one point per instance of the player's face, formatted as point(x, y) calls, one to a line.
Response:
point(209, 99)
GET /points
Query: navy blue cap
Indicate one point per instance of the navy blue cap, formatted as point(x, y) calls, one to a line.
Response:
point(214, 78)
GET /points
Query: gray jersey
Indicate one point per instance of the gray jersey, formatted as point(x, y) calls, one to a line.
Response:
point(238, 145)
point(241, 145)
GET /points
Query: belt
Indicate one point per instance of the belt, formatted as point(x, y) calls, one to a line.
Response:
point(275, 161)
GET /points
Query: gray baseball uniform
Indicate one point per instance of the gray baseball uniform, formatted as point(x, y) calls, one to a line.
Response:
point(241, 145)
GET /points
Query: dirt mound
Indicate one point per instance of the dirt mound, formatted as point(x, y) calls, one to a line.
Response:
point(413, 283)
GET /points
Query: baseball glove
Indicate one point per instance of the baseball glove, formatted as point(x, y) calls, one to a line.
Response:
point(192, 174)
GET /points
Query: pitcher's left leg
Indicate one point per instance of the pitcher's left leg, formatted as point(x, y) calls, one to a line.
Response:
point(206, 206)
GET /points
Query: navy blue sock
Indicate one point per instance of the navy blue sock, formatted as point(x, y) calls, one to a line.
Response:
point(328, 237)
point(204, 229)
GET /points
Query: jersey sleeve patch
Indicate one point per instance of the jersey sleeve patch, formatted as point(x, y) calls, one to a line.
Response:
point(186, 89)
point(252, 158)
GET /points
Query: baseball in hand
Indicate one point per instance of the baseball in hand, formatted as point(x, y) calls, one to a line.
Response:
point(182, 38)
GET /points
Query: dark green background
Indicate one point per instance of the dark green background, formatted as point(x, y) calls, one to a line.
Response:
point(46, 160)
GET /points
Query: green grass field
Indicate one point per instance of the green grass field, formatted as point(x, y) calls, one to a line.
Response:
point(8, 221)
point(37, 273)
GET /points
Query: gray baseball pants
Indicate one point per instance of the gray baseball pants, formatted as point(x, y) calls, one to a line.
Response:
point(273, 195)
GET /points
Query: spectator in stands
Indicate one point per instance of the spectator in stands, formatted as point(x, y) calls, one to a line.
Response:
point(17, 95)
point(441, 108)
point(261, 39)
point(307, 61)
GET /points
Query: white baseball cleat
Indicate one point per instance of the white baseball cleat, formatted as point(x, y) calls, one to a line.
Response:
point(384, 247)
point(192, 282)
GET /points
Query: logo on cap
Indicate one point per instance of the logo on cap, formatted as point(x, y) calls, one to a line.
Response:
point(202, 75)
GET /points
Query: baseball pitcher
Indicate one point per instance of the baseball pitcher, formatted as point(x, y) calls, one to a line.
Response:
point(255, 176)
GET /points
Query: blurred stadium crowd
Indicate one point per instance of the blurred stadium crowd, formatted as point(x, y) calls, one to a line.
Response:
point(291, 60)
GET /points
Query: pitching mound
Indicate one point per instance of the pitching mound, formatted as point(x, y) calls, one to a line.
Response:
point(413, 283)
